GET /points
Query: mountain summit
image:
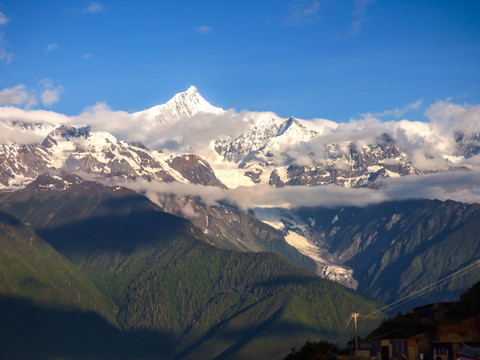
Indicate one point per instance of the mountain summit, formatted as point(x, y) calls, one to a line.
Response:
point(182, 105)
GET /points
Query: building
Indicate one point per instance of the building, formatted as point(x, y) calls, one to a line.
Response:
point(406, 349)
point(467, 352)
point(454, 350)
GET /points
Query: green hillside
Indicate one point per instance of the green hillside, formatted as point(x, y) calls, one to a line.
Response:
point(166, 279)
point(439, 322)
point(31, 268)
point(231, 228)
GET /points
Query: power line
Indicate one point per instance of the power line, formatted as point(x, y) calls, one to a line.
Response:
point(336, 337)
point(415, 294)
point(427, 288)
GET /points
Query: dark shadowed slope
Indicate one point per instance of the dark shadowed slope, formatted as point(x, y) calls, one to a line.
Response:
point(165, 277)
point(397, 248)
point(31, 268)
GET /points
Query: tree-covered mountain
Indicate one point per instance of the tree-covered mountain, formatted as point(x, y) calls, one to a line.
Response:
point(187, 149)
point(33, 269)
point(397, 248)
point(71, 245)
point(457, 321)
point(231, 228)
point(187, 297)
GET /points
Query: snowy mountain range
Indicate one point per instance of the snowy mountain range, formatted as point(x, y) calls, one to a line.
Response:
point(99, 155)
point(267, 150)
point(188, 141)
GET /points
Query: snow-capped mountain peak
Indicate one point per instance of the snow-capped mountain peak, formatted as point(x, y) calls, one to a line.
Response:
point(293, 132)
point(182, 105)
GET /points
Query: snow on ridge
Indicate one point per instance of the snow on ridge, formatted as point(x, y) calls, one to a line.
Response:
point(320, 151)
point(184, 104)
point(328, 270)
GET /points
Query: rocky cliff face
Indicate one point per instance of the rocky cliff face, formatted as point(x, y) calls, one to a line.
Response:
point(101, 155)
point(230, 228)
point(468, 145)
point(288, 153)
point(353, 167)
point(397, 248)
point(268, 150)
point(194, 169)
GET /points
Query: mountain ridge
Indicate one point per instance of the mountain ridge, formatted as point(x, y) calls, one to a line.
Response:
point(167, 279)
point(182, 105)
point(267, 150)
point(394, 248)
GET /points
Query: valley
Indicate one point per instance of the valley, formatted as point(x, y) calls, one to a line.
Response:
point(242, 242)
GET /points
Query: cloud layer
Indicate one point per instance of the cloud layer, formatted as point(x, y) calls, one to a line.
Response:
point(459, 186)
point(424, 142)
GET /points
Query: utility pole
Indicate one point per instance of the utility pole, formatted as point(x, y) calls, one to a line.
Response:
point(355, 316)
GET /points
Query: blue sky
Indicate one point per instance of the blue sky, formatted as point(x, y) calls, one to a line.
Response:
point(335, 59)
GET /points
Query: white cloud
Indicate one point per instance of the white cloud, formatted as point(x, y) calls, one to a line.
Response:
point(197, 132)
point(51, 96)
point(424, 142)
point(88, 56)
point(11, 113)
point(5, 56)
point(119, 123)
point(450, 117)
point(50, 93)
point(94, 8)
point(397, 112)
point(462, 186)
point(17, 95)
point(31, 102)
point(202, 30)
point(302, 13)
point(359, 15)
point(3, 19)
point(13, 96)
point(185, 135)
point(51, 47)
point(21, 96)
point(10, 133)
